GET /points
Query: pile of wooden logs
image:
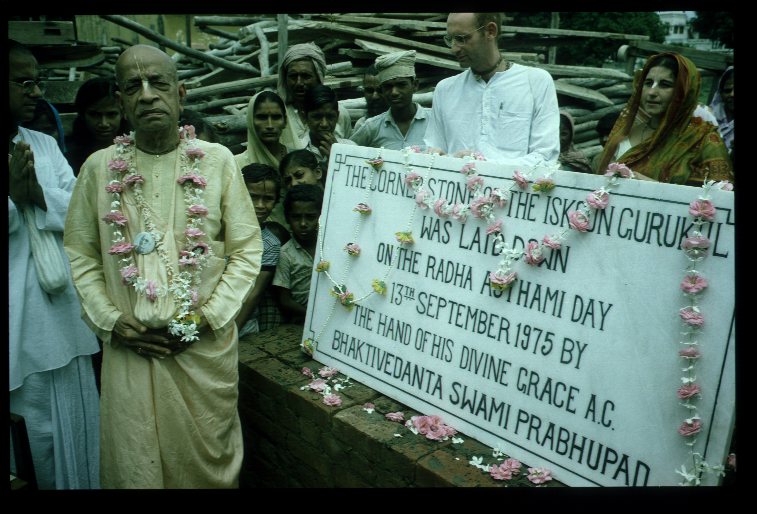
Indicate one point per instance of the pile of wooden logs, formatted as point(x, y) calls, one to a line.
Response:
point(245, 56)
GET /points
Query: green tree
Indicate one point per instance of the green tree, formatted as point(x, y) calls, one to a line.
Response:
point(714, 25)
point(592, 51)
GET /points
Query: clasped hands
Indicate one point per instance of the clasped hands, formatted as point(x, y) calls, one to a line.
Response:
point(23, 187)
point(149, 343)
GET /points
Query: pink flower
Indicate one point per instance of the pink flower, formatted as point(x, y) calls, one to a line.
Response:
point(441, 208)
point(352, 249)
point(478, 156)
point(125, 140)
point(725, 185)
point(116, 218)
point(197, 210)
point(533, 254)
point(118, 166)
point(578, 221)
point(481, 206)
point(200, 248)
point(598, 199)
point(502, 281)
point(690, 352)
point(468, 169)
point(188, 132)
point(151, 290)
point(616, 169)
point(691, 317)
point(130, 180)
point(195, 153)
point(695, 243)
point(198, 180)
point(506, 470)
point(460, 212)
point(369, 405)
point(432, 427)
point(688, 429)
point(702, 209)
point(317, 385)
point(188, 259)
point(412, 178)
point(332, 400)
point(395, 416)
point(551, 243)
point(114, 187)
point(688, 391)
point(421, 198)
point(129, 273)
point(416, 149)
point(498, 197)
point(363, 208)
point(693, 283)
point(539, 475)
point(474, 183)
point(308, 372)
point(121, 248)
point(520, 180)
point(193, 232)
point(327, 372)
point(194, 296)
point(495, 227)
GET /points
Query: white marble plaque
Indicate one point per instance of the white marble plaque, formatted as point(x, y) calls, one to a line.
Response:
point(576, 367)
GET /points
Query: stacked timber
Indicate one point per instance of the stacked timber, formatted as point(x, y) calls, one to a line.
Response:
point(244, 57)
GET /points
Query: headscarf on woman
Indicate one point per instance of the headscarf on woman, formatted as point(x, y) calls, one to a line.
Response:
point(570, 158)
point(683, 149)
point(256, 151)
point(725, 125)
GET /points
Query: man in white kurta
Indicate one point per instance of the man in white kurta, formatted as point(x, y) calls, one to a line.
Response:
point(169, 412)
point(51, 379)
point(505, 111)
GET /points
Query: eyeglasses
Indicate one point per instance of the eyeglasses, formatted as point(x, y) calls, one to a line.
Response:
point(460, 39)
point(29, 85)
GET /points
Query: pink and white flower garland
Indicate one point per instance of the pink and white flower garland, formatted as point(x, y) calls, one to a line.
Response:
point(378, 285)
point(192, 258)
point(693, 285)
point(482, 206)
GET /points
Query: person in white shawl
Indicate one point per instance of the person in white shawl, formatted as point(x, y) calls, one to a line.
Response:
point(722, 107)
point(51, 378)
point(304, 66)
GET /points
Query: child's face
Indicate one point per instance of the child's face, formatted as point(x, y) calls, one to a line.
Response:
point(295, 175)
point(264, 197)
point(322, 121)
point(303, 218)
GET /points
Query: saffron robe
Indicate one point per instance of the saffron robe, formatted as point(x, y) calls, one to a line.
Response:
point(173, 422)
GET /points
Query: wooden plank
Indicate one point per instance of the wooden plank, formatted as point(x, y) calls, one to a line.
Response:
point(542, 31)
point(334, 30)
point(177, 47)
point(81, 55)
point(582, 93)
point(562, 70)
point(204, 21)
point(396, 23)
point(42, 32)
point(706, 60)
point(420, 58)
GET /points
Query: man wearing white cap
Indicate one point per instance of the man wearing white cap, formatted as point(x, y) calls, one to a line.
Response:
point(404, 124)
point(507, 112)
point(304, 66)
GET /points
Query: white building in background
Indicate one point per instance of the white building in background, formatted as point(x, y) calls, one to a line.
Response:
point(680, 32)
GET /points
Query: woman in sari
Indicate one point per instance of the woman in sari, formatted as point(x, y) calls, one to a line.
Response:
point(656, 135)
point(266, 120)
